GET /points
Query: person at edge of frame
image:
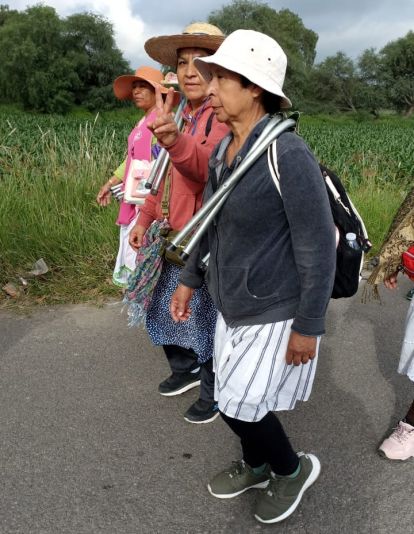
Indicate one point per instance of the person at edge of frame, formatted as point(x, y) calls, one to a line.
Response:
point(270, 274)
point(189, 347)
point(399, 445)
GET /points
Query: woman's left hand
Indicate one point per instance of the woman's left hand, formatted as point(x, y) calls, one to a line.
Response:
point(300, 349)
point(180, 303)
point(164, 126)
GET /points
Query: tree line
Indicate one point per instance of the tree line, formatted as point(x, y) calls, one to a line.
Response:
point(50, 64)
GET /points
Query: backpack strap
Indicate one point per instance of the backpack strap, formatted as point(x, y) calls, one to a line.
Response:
point(273, 167)
point(274, 171)
point(361, 220)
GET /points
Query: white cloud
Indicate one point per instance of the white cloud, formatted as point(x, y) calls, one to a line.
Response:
point(355, 39)
point(351, 26)
point(130, 30)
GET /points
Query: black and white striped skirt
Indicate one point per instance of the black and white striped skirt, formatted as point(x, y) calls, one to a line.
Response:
point(406, 365)
point(252, 377)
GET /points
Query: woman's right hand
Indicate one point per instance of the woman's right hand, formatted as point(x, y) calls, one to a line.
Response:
point(164, 126)
point(391, 281)
point(136, 235)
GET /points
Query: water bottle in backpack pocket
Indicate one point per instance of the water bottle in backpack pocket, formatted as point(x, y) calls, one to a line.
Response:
point(349, 256)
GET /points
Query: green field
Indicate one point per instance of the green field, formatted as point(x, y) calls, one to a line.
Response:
point(51, 168)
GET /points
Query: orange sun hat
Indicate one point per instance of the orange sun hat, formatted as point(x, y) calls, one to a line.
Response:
point(123, 84)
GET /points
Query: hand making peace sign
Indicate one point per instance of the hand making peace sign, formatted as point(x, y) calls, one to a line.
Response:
point(164, 126)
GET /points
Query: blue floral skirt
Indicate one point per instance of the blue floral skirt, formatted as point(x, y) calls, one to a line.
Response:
point(197, 332)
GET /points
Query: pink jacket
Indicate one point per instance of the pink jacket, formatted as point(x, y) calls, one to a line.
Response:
point(189, 155)
point(139, 147)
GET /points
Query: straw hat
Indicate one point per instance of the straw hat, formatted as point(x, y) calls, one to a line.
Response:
point(197, 35)
point(254, 55)
point(123, 84)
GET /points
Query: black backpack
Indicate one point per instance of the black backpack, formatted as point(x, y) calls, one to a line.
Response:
point(349, 259)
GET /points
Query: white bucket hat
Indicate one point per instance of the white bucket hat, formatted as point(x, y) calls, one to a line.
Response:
point(254, 55)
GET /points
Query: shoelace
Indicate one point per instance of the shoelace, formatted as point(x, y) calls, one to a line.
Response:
point(276, 485)
point(400, 434)
point(236, 468)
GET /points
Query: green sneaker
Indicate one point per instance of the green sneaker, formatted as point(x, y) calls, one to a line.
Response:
point(237, 479)
point(284, 494)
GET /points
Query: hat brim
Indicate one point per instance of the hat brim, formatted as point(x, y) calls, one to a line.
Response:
point(202, 65)
point(123, 87)
point(164, 48)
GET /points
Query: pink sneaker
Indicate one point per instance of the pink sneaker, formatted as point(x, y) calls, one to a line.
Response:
point(400, 445)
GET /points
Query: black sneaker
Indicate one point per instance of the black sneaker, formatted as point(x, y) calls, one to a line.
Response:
point(178, 383)
point(202, 412)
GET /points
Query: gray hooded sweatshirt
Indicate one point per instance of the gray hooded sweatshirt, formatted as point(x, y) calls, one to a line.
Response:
point(272, 257)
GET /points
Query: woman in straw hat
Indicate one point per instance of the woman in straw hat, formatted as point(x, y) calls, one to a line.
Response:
point(270, 273)
point(188, 347)
point(140, 88)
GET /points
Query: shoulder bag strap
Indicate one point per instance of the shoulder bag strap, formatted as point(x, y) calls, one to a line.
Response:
point(165, 201)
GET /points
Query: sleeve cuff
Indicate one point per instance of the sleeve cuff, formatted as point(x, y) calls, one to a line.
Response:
point(195, 281)
point(120, 171)
point(179, 147)
point(309, 326)
point(144, 220)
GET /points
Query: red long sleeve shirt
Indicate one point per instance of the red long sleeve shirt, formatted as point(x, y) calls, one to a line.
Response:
point(189, 156)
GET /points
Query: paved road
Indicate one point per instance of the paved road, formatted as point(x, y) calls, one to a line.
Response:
point(88, 446)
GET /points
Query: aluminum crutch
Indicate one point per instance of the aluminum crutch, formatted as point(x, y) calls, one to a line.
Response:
point(206, 214)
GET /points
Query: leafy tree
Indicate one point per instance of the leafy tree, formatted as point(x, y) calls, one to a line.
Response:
point(335, 80)
point(31, 53)
point(372, 95)
point(397, 60)
point(90, 45)
point(5, 13)
point(285, 27)
point(48, 64)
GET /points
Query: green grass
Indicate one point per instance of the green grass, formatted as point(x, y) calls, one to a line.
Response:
point(51, 168)
point(51, 171)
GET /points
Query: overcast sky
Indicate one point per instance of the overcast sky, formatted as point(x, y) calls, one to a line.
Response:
point(350, 26)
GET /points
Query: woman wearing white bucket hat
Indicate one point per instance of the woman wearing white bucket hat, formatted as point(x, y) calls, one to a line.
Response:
point(270, 274)
point(188, 348)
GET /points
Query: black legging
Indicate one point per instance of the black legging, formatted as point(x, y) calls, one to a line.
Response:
point(265, 441)
point(183, 360)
